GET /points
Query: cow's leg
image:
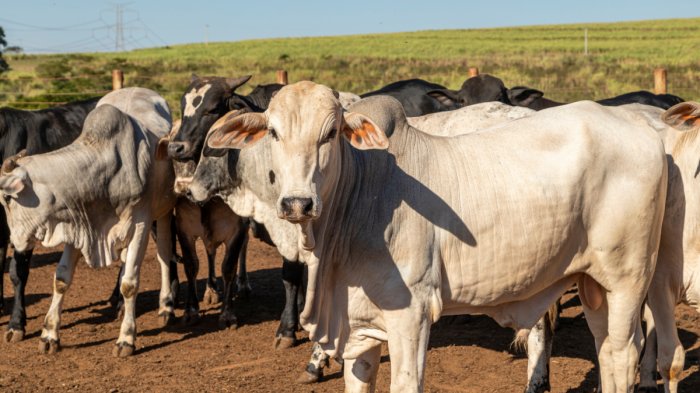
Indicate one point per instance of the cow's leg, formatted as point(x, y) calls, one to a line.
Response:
point(191, 261)
point(670, 353)
point(115, 299)
point(174, 280)
point(126, 343)
point(63, 278)
point(4, 242)
point(361, 364)
point(315, 366)
point(292, 276)
point(408, 332)
point(244, 290)
point(228, 272)
point(165, 253)
point(647, 368)
point(615, 324)
point(19, 274)
point(211, 293)
point(539, 351)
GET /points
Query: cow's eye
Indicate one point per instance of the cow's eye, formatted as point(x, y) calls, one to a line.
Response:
point(273, 134)
point(329, 137)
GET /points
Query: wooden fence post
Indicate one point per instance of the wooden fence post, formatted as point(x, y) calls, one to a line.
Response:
point(473, 71)
point(282, 77)
point(117, 79)
point(660, 82)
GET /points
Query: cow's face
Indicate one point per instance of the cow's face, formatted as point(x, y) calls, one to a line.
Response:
point(214, 175)
point(29, 207)
point(205, 101)
point(306, 123)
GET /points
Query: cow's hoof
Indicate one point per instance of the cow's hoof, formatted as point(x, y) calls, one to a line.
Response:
point(228, 320)
point(307, 377)
point(122, 350)
point(14, 336)
point(211, 296)
point(282, 342)
point(243, 290)
point(49, 346)
point(191, 317)
point(166, 318)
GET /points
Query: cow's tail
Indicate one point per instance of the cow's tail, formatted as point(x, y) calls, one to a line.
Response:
point(550, 318)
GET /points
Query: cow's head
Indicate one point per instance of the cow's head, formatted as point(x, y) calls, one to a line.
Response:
point(27, 205)
point(215, 173)
point(204, 102)
point(307, 125)
point(475, 90)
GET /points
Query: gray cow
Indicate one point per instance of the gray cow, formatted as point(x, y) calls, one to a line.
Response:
point(98, 196)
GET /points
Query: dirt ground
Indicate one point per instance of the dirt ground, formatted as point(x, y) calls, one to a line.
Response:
point(467, 354)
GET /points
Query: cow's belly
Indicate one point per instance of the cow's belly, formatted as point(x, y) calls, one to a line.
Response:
point(518, 251)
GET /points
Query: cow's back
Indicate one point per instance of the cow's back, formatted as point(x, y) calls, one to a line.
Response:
point(145, 106)
point(468, 119)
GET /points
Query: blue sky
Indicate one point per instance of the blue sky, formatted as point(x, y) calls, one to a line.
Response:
point(89, 25)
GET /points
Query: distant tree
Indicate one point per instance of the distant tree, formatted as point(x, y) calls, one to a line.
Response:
point(3, 64)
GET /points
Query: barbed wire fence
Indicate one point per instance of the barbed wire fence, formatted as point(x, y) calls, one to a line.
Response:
point(660, 79)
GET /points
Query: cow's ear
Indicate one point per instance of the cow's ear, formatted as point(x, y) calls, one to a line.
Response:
point(362, 133)
point(194, 77)
point(684, 116)
point(523, 96)
point(162, 148)
point(236, 131)
point(446, 97)
point(234, 83)
point(11, 184)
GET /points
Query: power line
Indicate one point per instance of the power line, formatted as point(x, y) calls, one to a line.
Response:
point(121, 32)
point(62, 28)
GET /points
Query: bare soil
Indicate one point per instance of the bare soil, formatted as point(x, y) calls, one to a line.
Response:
point(467, 354)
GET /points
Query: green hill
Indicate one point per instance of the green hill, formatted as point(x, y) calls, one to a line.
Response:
point(622, 57)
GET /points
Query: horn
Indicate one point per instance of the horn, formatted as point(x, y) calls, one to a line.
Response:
point(11, 162)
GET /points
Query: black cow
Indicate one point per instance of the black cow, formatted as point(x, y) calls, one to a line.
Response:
point(36, 132)
point(533, 99)
point(486, 88)
point(413, 95)
point(477, 89)
point(205, 101)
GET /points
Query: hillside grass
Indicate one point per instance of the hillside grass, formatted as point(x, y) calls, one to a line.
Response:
point(622, 57)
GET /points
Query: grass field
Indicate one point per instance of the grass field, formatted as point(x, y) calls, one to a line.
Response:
point(621, 58)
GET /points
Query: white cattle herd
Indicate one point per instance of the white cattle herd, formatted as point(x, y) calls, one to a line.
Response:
point(489, 209)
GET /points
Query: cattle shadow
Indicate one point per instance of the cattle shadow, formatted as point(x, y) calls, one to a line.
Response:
point(571, 340)
point(44, 259)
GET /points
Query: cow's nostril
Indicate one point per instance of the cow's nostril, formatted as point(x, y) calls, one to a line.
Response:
point(176, 149)
point(306, 205)
point(296, 206)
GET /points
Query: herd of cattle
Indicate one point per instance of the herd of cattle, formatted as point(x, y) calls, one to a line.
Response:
point(389, 209)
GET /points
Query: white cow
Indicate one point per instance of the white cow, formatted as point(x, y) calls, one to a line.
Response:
point(499, 223)
point(98, 196)
point(677, 276)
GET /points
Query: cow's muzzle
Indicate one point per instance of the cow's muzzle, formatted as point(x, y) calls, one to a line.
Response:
point(296, 209)
point(180, 150)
